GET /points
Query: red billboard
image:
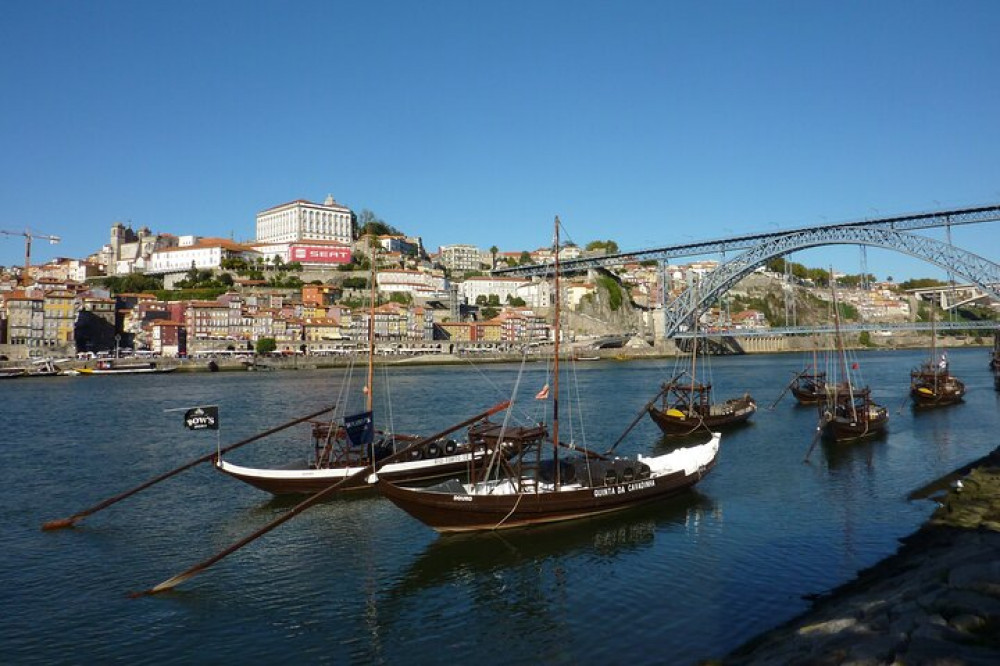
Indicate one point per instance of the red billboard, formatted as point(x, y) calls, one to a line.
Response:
point(320, 254)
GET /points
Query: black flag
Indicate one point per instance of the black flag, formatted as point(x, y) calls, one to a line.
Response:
point(360, 429)
point(202, 418)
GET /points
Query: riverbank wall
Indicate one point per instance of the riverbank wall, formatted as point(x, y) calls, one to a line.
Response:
point(936, 601)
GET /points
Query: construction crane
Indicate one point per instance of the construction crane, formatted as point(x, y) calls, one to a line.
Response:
point(29, 235)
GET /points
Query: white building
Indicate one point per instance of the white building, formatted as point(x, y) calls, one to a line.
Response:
point(204, 253)
point(503, 288)
point(461, 257)
point(418, 283)
point(302, 220)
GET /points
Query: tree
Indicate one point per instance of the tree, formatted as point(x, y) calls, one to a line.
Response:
point(481, 299)
point(266, 345)
point(493, 253)
point(525, 258)
point(369, 223)
point(608, 246)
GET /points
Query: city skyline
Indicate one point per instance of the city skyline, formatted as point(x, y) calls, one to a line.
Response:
point(648, 123)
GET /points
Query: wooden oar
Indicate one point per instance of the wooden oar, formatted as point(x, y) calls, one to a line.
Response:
point(173, 582)
point(819, 431)
point(782, 394)
point(71, 521)
point(641, 413)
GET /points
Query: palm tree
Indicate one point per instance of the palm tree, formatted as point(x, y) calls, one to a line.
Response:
point(493, 252)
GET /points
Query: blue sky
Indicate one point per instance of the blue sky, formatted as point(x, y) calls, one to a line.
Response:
point(476, 122)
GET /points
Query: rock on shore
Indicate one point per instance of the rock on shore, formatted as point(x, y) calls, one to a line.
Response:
point(936, 601)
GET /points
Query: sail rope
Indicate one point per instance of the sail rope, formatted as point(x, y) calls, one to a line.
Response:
point(494, 459)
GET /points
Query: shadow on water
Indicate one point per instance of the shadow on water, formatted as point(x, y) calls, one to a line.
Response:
point(457, 556)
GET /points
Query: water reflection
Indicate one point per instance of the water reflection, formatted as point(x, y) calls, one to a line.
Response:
point(469, 557)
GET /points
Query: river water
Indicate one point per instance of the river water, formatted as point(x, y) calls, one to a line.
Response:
point(358, 581)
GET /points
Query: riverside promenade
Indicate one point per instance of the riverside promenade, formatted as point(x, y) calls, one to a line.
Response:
point(935, 602)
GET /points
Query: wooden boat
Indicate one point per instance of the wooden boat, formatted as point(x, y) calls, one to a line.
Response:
point(530, 490)
point(110, 367)
point(686, 407)
point(340, 455)
point(852, 414)
point(687, 404)
point(11, 373)
point(848, 411)
point(931, 384)
point(344, 446)
point(809, 388)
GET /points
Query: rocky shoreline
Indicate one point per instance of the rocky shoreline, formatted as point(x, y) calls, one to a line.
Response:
point(936, 601)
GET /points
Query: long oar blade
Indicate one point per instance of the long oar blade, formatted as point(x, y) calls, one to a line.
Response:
point(784, 391)
point(819, 433)
point(174, 581)
point(71, 521)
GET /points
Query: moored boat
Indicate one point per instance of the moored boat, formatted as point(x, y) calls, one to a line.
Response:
point(687, 407)
point(110, 367)
point(530, 489)
point(848, 411)
point(932, 385)
point(809, 387)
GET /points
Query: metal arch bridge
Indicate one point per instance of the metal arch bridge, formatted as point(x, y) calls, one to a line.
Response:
point(941, 327)
point(977, 270)
point(901, 223)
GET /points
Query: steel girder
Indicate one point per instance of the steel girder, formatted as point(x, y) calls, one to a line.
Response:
point(983, 273)
point(897, 223)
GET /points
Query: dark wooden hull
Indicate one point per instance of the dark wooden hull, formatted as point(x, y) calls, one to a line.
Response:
point(843, 429)
point(308, 481)
point(937, 394)
point(731, 413)
point(447, 511)
point(808, 396)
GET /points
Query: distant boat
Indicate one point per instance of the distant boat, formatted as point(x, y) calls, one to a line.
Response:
point(809, 387)
point(112, 367)
point(848, 411)
point(11, 373)
point(931, 384)
point(688, 404)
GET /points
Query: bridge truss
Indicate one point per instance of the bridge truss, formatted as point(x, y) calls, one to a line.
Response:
point(900, 223)
point(977, 270)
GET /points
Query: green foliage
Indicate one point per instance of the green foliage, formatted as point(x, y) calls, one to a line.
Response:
point(525, 258)
point(481, 299)
point(132, 283)
point(369, 223)
point(611, 286)
point(294, 266)
point(198, 294)
point(285, 282)
point(516, 301)
point(355, 283)
point(400, 297)
point(608, 246)
point(488, 313)
point(266, 345)
point(922, 283)
point(865, 339)
point(847, 312)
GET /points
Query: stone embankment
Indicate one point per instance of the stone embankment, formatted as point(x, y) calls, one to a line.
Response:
point(936, 601)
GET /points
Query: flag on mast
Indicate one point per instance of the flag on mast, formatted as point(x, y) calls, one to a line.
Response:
point(543, 394)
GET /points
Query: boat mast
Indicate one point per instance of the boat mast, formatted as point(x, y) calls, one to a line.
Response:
point(555, 379)
point(371, 325)
point(694, 361)
point(840, 348)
